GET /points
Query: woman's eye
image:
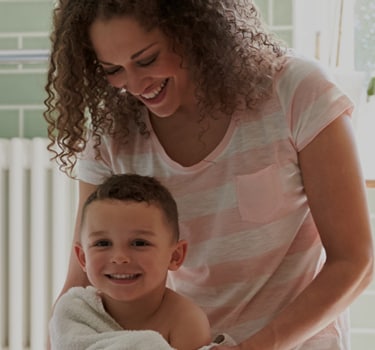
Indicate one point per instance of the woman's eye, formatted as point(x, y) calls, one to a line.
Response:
point(147, 61)
point(112, 71)
point(140, 243)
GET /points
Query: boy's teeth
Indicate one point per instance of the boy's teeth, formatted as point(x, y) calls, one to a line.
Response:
point(123, 277)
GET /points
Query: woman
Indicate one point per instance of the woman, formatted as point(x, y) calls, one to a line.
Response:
point(254, 143)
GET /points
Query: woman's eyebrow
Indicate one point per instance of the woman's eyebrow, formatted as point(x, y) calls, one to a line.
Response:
point(141, 51)
point(132, 56)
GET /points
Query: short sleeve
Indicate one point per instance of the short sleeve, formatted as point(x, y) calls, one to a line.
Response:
point(89, 167)
point(310, 99)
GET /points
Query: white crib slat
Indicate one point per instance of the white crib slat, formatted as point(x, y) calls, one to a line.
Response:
point(37, 208)
point(39, 287)
point(61, 228)
point(17, 245)
point(4, 165)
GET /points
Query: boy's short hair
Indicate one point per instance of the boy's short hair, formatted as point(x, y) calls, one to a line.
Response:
point(137, 188)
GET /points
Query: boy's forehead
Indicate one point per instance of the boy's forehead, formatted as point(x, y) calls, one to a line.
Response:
point(133, 212)
point(109, 205)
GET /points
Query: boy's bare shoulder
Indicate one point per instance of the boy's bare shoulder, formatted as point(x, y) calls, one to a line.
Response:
point(183, 304)
point(191, 329)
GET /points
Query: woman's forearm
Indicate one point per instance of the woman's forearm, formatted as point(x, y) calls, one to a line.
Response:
point(334, 288)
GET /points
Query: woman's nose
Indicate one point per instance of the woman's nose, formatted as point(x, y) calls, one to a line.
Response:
point(135, 83)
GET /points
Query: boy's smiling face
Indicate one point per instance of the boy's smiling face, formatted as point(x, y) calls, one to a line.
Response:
point(127, 248)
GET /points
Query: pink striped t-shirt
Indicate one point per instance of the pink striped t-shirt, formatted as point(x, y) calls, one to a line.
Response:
point(253, 245)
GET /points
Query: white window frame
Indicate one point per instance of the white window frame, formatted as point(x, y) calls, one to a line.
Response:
point(316, 34)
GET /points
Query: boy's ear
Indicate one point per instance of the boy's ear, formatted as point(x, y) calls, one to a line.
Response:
point(80, 254)
point(178, 255)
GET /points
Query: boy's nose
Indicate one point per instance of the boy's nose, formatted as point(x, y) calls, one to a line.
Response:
point(120, 257)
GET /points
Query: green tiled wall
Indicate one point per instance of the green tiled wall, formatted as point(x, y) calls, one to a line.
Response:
point(9, 123)
point(278, 14)
point(26, 25)
point(26, 88)
point(23, 25)
point(25, 16)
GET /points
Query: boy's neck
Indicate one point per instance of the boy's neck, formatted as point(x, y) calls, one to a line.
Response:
point(136, 314)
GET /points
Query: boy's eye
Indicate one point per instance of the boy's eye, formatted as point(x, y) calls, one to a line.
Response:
point(102, 243)
point(147, 61)
point(140, 243)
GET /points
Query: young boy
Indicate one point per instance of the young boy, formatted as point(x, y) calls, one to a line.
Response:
point(129, 239)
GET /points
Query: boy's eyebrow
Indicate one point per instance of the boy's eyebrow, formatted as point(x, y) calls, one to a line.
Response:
point(136, 231)
point(134, 56)
point(96, 233)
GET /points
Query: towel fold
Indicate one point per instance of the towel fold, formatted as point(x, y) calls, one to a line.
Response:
point(79, 322)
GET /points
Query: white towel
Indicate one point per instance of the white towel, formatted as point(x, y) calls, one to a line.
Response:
point(79, 322)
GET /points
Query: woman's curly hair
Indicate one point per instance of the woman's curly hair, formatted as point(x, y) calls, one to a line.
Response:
point(226, 47)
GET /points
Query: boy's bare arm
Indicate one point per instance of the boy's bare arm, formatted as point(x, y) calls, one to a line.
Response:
point(191, 328)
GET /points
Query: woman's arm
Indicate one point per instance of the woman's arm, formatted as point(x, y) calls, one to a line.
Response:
point(75, 275)
point(336, 193)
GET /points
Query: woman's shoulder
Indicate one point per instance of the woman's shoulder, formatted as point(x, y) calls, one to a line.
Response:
point(296, 65)
point(301, 74)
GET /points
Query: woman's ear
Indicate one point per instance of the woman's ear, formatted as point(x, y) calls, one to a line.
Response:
point(80, 254)
point(178, 255)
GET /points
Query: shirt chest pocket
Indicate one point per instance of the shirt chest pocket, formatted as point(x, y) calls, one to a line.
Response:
point(259, 195)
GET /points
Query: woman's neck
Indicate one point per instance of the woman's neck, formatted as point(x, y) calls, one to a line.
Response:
point(188, 138)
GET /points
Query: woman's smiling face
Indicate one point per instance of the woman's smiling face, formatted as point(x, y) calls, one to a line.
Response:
point(144, 63)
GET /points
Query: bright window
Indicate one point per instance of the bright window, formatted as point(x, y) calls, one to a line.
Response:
point(341, 34)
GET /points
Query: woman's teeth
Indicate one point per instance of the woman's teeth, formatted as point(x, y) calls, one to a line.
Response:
point(151, 95)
